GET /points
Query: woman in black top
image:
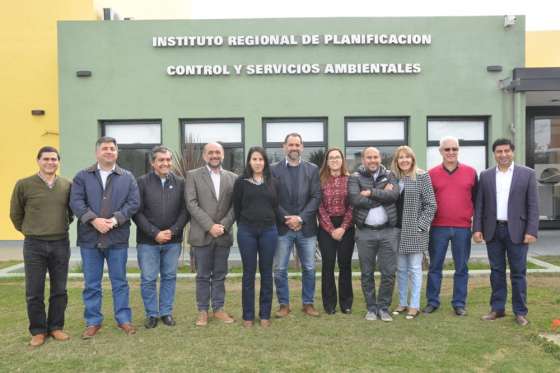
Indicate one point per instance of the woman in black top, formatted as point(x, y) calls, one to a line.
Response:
point(254, 203)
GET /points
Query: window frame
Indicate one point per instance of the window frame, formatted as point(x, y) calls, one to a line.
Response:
point(364, 143)
point(307, 144)
point(226, 145)
point(462, 143)
point(104, 122)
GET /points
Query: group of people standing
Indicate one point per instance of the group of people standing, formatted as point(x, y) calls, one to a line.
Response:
point(393, 216)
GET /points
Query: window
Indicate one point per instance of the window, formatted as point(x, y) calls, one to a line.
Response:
point(312, 130)
point(385, 133)
point(135, 140)
point(471, 132)
point(228, 132)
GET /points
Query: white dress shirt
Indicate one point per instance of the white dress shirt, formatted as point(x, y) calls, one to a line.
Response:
point(215, 176)
point(377, 215)
point(105, 174)
point(503, 185)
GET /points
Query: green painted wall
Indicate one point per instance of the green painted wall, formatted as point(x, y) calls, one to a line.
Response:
point(129, 79)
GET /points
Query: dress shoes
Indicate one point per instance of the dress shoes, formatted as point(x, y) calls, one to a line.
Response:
point(168, 320)
point(309, 310)
point(346, 310)
point(493, 316)
point(223, 316)
point(59, 335)
point(330, 311)
point(202, 319)
point(265, 323)
point(150, 322)
point(521, 320)
point(38, 340)
point(429, 309)
point(128, 328)
point(460, 311)
point(283, 311)
point(90, 331)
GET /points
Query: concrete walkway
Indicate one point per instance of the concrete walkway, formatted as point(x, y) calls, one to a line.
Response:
point(548, 244)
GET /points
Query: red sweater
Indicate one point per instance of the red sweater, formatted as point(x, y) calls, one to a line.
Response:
point(455, 194)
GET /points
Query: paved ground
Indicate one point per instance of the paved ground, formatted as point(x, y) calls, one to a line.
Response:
point(547, 244)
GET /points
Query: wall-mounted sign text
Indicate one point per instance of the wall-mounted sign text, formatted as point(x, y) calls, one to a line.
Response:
point(236, 41)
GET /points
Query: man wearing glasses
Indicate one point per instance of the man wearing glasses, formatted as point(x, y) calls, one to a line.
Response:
point(454, 185)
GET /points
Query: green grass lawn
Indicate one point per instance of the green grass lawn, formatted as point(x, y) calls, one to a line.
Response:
point(552, 259)
point(439, 342)
point(8, 263)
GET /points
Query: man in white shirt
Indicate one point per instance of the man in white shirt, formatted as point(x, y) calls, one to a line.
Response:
point(507, 217)
point(209, 191)
point(373, 191)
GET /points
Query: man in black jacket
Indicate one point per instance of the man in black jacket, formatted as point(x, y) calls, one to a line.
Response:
point(160, 220)
point(373, 191)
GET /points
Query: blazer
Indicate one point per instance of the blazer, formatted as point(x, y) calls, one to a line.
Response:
point(523, 209)
point(418, 209)
point(308, 193)
point(206, 210)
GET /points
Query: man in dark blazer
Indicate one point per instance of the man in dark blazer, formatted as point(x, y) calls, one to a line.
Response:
point(209, 191)
point(507, 218)
point(299, 196)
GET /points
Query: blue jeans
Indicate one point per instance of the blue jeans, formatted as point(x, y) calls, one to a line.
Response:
point(255, 242)
point(461, 249)
point(500, 247)
point(154, 260)
point(410, 266)
point(92, 265)
point(306, 252)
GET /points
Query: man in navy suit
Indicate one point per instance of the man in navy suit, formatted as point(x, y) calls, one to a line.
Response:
point(299, 196)
point(507, 218)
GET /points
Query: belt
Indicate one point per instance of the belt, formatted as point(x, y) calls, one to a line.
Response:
point(376, 227)
point(501, 222)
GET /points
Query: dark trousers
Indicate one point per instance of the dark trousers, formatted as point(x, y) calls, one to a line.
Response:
point(498, 249)
point(378, 247)
point(40, 256)
point(330, 250)
point(255, 242)
point(211, 271)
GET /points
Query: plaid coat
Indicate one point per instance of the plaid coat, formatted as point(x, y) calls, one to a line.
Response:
point(419, 207)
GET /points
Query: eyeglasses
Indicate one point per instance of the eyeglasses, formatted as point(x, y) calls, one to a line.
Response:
point(451, 149)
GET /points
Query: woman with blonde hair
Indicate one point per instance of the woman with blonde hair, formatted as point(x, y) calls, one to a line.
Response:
point(416, 208)
point(336, 232)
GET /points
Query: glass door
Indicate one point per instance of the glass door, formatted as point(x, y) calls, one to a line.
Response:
point(543, 154)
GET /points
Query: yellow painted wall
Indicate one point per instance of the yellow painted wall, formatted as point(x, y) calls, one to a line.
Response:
point(28, 76)
point(542, 49)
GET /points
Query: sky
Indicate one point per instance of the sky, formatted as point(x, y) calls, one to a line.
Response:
point(540, 14)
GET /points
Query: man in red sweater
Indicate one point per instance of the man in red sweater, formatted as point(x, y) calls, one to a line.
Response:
point(454, 185)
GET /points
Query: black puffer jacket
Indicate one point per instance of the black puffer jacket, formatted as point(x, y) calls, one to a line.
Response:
point(363, 180)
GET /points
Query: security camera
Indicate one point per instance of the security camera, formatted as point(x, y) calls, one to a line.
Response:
point(509, 21)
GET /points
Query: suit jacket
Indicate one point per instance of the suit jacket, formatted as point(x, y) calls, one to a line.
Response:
point(206, 210)
point(308, 193)
point(523, 209)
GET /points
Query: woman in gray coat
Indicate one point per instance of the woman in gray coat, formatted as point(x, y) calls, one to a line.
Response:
point(416, 208)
